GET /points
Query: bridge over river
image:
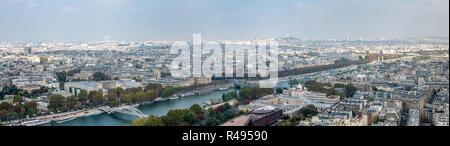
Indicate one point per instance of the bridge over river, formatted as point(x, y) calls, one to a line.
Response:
point(128, 110)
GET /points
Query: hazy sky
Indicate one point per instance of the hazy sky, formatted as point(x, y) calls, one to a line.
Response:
point(220, 19)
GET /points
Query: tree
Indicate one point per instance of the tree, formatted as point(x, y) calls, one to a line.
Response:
point(98, 98)
point(308, 110)
point(91, 95)
point(293, 82)
point(279, 91)
point(201, 116)
point(139, 122)
point(120, 92)
point(151, 94)
point(30, 107)
point(229, 96)
point(3, 115)
point(56, 102)
point(227, 106)
point(62, 76)
point(211, 112)
point(153, 86)
point(213, 122)
point(13, 90)
point(112, 100)
point(350, 90)
point(339, 85)
point(83, 97)
point(154, 121)
point(5, 106)
point(220, 109)
point(196, 109)
point(213, 101)
point(174, 117)
point(168, 91)
point(343, 95)
point(149, 121)
point(71, 102)
point(252, 93)
point(17, 99)
point(129, 98)
point(99, 76)
point(190, 118)
point(374, 88)
point(330, 91)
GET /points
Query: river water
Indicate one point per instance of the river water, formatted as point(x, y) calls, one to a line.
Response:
point(157, 109)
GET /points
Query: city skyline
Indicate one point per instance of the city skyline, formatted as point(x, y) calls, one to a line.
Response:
point(32, 20)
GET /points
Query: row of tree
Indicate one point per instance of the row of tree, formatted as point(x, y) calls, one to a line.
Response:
point(327, 88)
point(17, 109)
point(60, 103)
point(195, 115)
point(247, 94)
point(298, 71)
point(62, 76)
point(350, 89)
point(113, 98)
point(13, 90)
point(174, 117)
point(220, 117)
point(229, 96)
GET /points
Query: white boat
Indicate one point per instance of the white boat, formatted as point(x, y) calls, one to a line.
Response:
point(222, 89)
point(92, 114)
point(172, 98)
point(158, 99)
point(36, 122)
point(66, 119)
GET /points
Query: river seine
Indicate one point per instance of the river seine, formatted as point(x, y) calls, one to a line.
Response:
point(156, 109)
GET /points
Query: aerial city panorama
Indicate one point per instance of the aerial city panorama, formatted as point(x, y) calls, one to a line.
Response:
point(224, 63)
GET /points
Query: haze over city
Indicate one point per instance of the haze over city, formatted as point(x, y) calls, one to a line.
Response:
point(39, 20)
point(245, 63)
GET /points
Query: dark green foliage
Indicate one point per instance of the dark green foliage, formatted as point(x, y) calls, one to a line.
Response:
point(350, 90)
point(320, 87)
point(293, 82)
point(99, 76)
point(168, 91)
point(62, 76)
point(252, 93)
point(13, 90)
point(302, 114)
point(8, 111)
point(279, 91)
point(56, 103)
point(190, 118)
point(229, 96)
point(298, 71)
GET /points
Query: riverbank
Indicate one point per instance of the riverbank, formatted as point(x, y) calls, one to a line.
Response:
point(156, 108)
point(57, 117)
point(72, 115)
